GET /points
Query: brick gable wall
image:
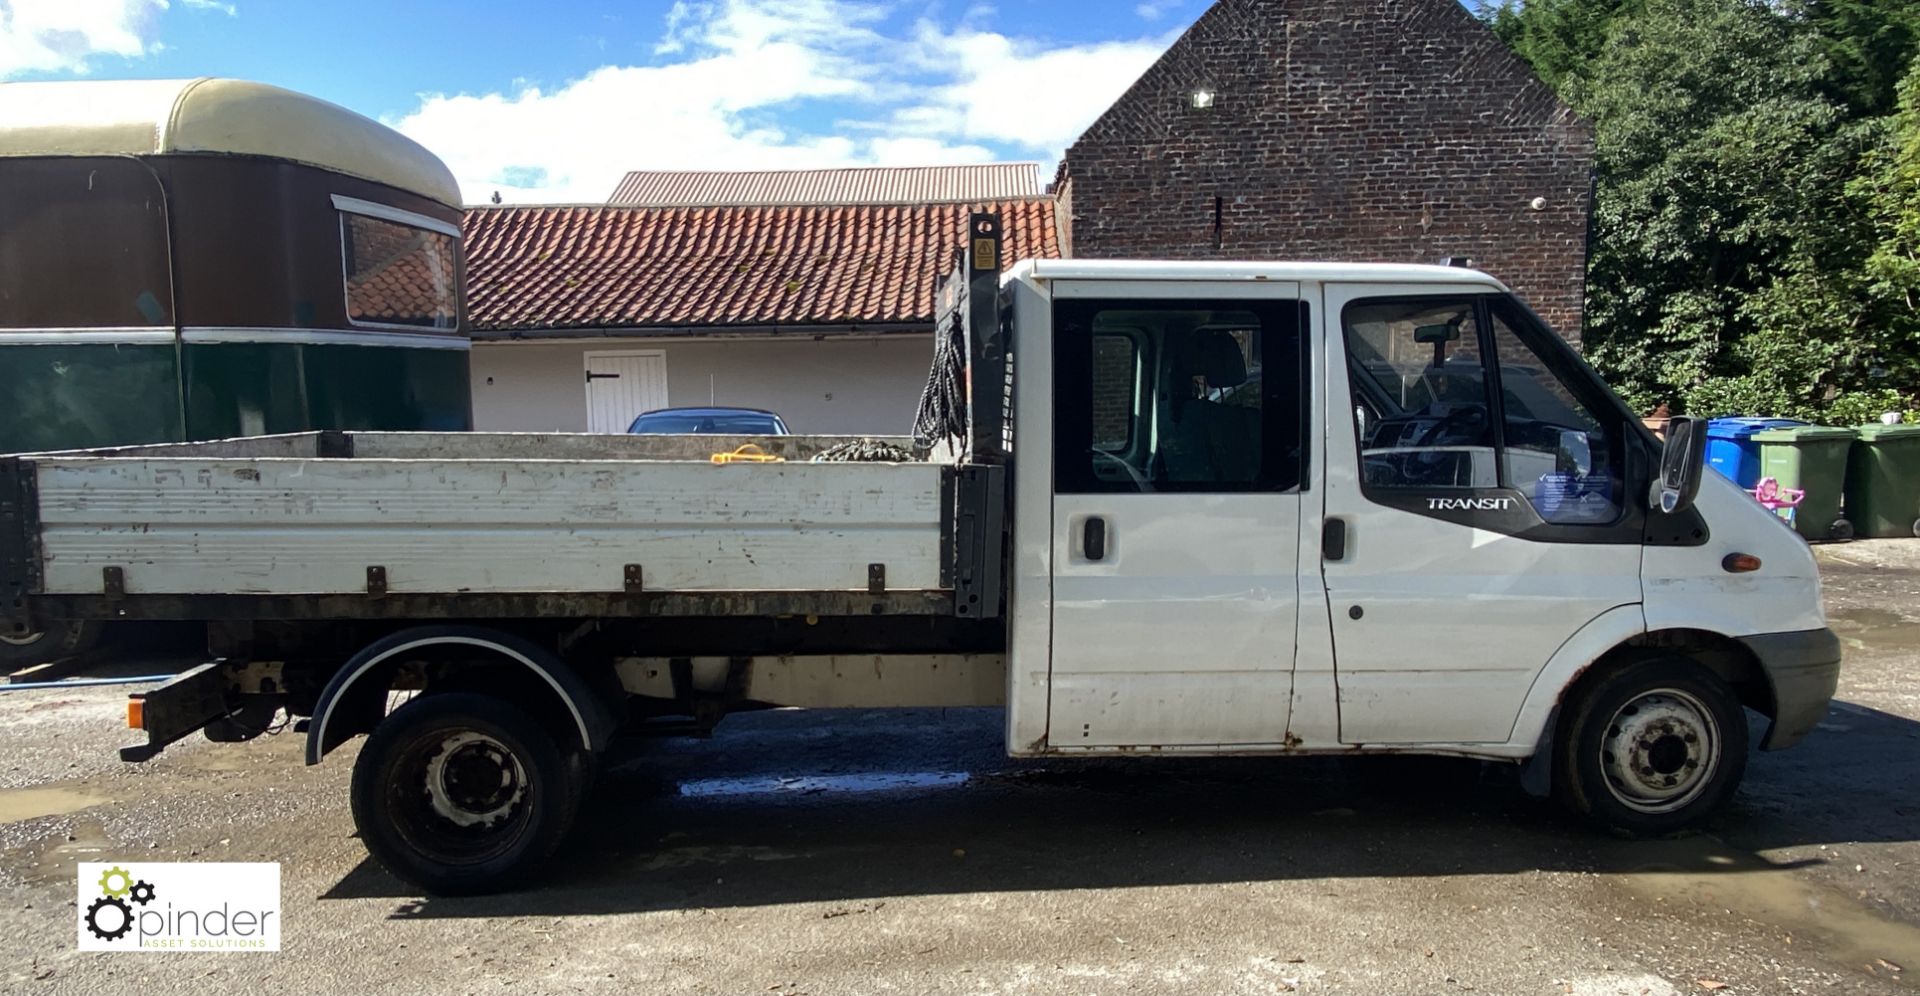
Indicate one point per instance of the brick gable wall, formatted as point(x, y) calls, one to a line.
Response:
point(1354, 130)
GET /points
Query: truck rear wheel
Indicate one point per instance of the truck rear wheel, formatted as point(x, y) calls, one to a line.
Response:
point(1652, 748)
point(58, 641)
point(463, 794)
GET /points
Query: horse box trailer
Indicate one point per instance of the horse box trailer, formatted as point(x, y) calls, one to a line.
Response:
point(208, 258)
point(1187, 508)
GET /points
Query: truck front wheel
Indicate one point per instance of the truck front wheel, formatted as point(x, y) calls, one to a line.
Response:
point(462, 794)
point(1651, 748)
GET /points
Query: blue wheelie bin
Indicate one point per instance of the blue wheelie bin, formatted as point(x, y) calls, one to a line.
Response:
point(1731, 448)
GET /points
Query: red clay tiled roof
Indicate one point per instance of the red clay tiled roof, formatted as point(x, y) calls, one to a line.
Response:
point(857, 185)
point(534, 268)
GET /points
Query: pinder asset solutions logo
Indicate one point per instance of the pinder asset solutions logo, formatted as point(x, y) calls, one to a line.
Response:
point(155, 906)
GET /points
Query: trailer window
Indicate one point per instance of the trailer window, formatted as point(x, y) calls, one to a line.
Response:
point(1178, 396)
point(398, 274)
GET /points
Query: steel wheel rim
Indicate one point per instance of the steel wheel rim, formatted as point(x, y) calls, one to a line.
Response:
point(27, 640)
point(463, 796)
point(1660, 751)
point(461, 780)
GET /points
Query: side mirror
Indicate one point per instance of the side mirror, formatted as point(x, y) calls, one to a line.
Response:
point(1682, 464)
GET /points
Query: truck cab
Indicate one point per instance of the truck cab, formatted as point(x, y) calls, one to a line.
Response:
point(1306, 507)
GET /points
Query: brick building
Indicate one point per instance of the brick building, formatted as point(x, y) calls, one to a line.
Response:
point(1361, 130)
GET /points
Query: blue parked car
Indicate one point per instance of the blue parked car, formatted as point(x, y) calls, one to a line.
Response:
point(709, 422)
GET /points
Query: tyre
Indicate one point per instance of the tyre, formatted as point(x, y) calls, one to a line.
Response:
point(463, 794)
point(1840, 531)
point(58, 641)
point(1652, 748)
point(583, 768)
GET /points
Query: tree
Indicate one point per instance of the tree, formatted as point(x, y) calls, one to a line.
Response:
point(1557, 37)
point(1721, 212)
point(1757, 204)
point(1868, 44)
point(1888, 188)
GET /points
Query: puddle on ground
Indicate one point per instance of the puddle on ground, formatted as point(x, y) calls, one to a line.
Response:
point(871, 782)
point(17, 805)
point(1700, 874)
point(52, 860)
point(1860, 629)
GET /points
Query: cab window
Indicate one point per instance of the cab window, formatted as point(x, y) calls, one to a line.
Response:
point(1178, 396)
point(1559, 454)
point(1449, 394)
point(1421, 404)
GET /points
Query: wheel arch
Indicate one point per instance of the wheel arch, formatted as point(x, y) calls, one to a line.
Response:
point(1602, 635)
point(349, 704)
point(1606, 643)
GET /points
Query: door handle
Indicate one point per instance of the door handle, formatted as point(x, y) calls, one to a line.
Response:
point(1333, 539)
point(1094, 538)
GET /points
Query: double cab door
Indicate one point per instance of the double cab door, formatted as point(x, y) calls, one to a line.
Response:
point(1179, 452)
point(1471, 478)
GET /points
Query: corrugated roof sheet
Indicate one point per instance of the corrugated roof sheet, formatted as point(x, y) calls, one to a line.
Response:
point(532, 268)
point(874, 185)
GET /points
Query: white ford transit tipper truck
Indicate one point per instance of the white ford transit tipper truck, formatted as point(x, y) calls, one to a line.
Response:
point(1192, 508)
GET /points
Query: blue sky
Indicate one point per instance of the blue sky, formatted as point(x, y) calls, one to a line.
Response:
point(553, 101)
point(327, 49)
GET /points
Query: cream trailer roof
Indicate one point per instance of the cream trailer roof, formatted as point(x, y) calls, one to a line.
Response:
point(232, 117)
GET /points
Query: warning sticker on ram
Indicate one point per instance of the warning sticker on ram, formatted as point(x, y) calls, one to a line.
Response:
point(155, 906)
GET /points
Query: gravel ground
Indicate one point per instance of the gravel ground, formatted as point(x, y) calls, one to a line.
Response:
point(876, 852)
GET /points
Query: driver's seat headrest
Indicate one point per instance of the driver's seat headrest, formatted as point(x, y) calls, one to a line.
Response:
point(1216, 356)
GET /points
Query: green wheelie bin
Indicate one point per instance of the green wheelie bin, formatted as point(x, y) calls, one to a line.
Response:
point(1813, 459)
point(1883, 481)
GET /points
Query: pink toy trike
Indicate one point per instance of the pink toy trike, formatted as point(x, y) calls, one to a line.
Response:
point(1777, 499)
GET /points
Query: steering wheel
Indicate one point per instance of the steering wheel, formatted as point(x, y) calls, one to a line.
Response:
point(1471, 417)
point(1381, 472)
point(1132, 474)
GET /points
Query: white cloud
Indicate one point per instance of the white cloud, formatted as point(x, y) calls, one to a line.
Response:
point(1022, 93)
point(735, 78)
point(925, 151)
point(1153, 10)
point(66, 35)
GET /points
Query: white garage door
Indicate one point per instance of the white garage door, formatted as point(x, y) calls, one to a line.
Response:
point(621, 385)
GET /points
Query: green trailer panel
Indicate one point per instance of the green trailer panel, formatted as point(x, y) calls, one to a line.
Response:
point(79, 396)
point(252, 389)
